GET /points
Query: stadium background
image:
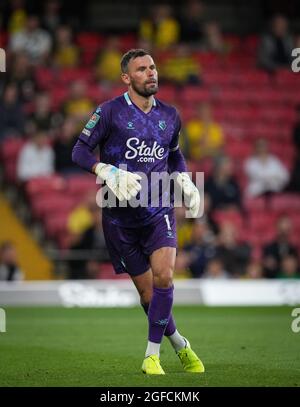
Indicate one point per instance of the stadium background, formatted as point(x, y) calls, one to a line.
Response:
point(215, 67)
point(233, 85)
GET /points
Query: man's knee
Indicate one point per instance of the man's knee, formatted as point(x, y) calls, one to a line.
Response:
point(163, 277)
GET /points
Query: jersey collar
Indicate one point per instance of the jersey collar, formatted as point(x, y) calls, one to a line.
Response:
point(129, 102)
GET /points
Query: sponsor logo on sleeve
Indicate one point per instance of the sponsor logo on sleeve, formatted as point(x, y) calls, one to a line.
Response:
point(93, 121)
point(86, 132)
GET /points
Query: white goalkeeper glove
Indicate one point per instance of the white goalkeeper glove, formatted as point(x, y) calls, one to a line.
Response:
point(124, 184)
point(190, 190)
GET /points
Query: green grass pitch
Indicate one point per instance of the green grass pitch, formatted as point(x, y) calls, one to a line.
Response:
point(105, 347)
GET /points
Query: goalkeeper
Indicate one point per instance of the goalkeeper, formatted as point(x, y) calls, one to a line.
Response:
point(141, 132)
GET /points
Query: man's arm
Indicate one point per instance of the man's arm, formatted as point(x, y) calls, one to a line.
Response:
point(123, 184)
point(83, 156)
point(176, 163)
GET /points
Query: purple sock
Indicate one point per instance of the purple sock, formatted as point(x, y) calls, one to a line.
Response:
point(170, 328)
point(159, 313)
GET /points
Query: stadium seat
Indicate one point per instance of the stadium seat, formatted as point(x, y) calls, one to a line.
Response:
point(42, 185)
point(286, 203)
point(52, 203)
point(229, 216)
point(254, 204)
point(79, 185)
point(10, 149)
point(68, 75)
point(251, 78)
point(194, 94)
point(56, 224)
point(217, 78)
point(167, 93)
point(285, 77)
point(45, 78)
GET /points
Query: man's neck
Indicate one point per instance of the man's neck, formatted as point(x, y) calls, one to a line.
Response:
point(142, 102)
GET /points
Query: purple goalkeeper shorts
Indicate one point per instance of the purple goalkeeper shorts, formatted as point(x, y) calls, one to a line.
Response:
point(130, 248)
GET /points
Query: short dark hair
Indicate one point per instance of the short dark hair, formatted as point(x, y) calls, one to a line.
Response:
point(131, 54)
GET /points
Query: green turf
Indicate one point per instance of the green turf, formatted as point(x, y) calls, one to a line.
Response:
point(105, 347)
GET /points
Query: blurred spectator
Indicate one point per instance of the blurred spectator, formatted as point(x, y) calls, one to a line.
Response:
point(201, 249)
point(9, 269)
point(234, 255)
point(35, 41)
point(78, 105)
point(276, 46)
point(18, 16)
point(215, 270)
point(289, 267)
point(294, 184)
point(80, 219)
point(108, 65)
point(191, 22)
point(63, 147)
point(265, 172)
point(11, 113)
point(222, 187)
point(276, 251)
point(254, 270)
point(205, 136)
point(36, 158)
point(208, 215)
point(213, 40)
point(42, 116)
point(180, 68)
point(184, 227)
point(162, 29)
point(92, 241)
point(51, 18)
point(22, 74)
point(66, 53)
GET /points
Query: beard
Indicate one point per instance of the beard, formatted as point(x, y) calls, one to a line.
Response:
point(146, 89)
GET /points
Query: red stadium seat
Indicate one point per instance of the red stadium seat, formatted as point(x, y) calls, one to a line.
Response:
point(286, 203)
point(218, 78)
point(167, 94)
point(68, 75)
point(59, 94)
point(90, 44)
point(52, 204)
point(208, 60)
point(262, 222)
point(285, 77)
point(252, 78)
point(230, 95)
point(80, 185)
point(239, 150)
point(42, 185)
point(254, 204)
point(10, 149)
point(45, 78)
point(194, 94)
point(229, 216)
point(56, 224)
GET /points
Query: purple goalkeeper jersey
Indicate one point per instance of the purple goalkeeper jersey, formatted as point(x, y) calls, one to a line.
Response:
point(141, 141)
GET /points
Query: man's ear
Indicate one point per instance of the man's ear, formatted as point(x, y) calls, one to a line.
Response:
point(125, 78)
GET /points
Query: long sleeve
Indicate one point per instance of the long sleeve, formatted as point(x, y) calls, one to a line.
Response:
point(94, 133)
point(83, 156)
point(176, 161)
